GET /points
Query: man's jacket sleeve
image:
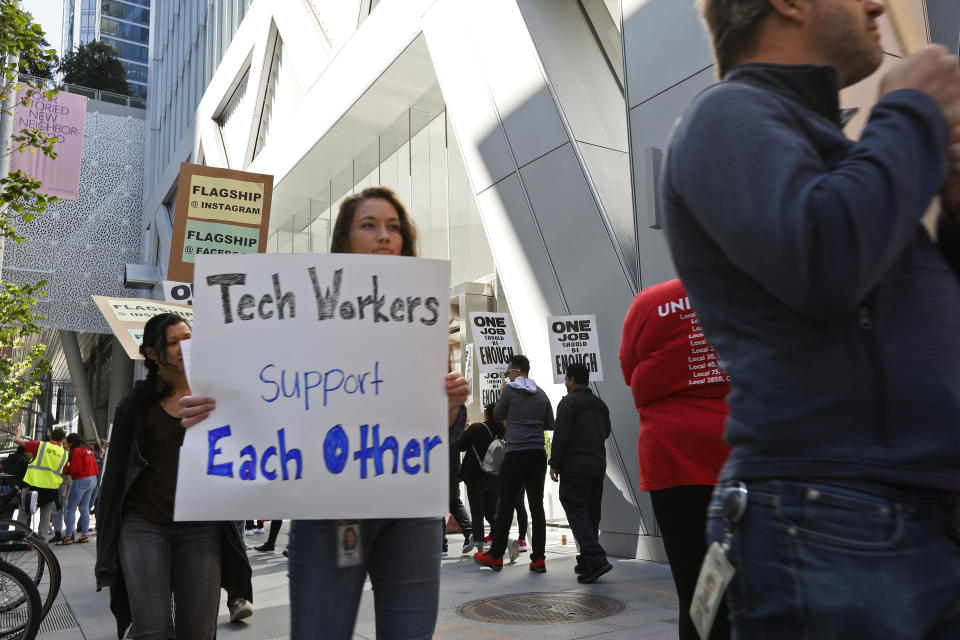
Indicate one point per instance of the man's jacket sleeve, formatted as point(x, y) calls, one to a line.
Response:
point(817, 237)
point(561, 432)
point(948, 239)
point(500, 409)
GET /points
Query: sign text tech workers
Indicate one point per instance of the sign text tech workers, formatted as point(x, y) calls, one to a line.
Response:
point(241, 306)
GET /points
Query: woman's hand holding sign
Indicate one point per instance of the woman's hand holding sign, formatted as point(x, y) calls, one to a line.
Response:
point(194, 409)
point(458, 390)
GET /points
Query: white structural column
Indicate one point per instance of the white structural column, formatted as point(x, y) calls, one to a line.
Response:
point(550, 235)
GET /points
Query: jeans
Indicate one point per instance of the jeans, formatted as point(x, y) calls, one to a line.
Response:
point(56, 516)
point(521, 469)
point(457, 510)
point(182, 558)
point(832, 560)
point(46, 501)
point(402, 557)
point(581, 498)
point(483, 496)
point(80, 494)
point(522, 520)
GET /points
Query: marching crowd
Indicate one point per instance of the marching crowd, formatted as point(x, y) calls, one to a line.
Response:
point(824, 471)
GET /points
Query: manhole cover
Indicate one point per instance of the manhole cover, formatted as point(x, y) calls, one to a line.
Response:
point(541, 608)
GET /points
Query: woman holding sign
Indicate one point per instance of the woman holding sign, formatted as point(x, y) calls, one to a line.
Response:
point(142, 554)
point(330, 559)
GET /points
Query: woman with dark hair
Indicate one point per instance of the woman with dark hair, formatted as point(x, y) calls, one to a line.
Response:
point(137, 536)
point(401, 555)
point(483, 489)
point(82, 468)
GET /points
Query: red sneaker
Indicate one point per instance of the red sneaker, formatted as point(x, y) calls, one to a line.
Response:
point(488, 560)
point(538, 566)
point(522, 542)
point(488, 539)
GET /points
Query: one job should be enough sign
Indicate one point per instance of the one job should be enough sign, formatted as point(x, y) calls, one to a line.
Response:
point(328, 371)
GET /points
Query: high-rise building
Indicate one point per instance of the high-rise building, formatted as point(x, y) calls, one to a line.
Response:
point(124, 25)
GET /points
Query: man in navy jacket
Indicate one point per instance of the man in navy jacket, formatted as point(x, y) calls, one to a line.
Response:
point(578, 461)
point(835, 315)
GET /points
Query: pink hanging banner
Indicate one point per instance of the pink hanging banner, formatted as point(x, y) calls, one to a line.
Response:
point(61, 116)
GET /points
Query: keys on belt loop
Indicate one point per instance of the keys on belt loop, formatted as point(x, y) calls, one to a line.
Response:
point(734, 506)
point(735, 502)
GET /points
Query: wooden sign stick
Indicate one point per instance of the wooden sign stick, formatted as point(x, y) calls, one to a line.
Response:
point(905, 26)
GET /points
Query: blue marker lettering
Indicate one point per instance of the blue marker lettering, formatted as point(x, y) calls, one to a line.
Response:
point(412, 450)
point(428, 444)
point(269, 453)
point(224, 469)
point(326, 383)
point(248, 470)
point(286, 456)
point(336, 448)
point(276, 393)
point(307, 386)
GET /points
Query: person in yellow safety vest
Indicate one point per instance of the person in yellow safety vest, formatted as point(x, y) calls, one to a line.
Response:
point(44, 474)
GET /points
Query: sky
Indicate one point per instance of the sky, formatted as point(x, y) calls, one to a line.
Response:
point(49, 13)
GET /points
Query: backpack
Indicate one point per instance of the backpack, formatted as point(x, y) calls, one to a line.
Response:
point(493, 458)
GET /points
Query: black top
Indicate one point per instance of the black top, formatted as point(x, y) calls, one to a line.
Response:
point(125, 464)
point(580, 434)
point(475, 440)
point(152, 494)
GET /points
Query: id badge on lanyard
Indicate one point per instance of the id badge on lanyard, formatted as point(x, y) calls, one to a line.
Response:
point(349, 544)
point(716, 572)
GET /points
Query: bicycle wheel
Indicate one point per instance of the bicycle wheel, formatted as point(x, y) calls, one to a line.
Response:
point(35, 558)
point(23, 621)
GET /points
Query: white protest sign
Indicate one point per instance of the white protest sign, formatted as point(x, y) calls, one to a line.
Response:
point(491, 385)
point(574, 339)
point(468, 369)
point(181, 292)
point(186, 351)
point(329, 375)
point(493, 337)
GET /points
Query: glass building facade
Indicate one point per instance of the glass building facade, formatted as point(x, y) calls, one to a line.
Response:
point(123, 25)
point(420, 160)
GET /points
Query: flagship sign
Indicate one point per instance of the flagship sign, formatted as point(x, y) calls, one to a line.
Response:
point(127, 317)
point(328, 372)
point(218, 211)
point(493, 337)
point(574, 339)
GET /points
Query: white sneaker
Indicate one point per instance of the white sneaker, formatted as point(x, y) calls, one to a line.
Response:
point(259, 530)
point(239, 610)
point(514, 548)
point(248, 532)
point(467, 544)
point(523, 545)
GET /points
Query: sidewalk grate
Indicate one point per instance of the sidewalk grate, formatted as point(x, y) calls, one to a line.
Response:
point(60, 618)
point(541, 608)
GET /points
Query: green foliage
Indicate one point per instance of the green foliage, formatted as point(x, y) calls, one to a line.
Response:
point(42, 67)
point(95, 65)
point(21, 367)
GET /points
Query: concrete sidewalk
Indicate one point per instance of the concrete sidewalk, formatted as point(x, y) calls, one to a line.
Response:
point(645, 590)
